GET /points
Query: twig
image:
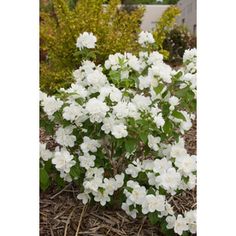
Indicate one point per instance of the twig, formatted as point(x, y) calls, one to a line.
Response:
point(141, 226)
point(51, 231)
point(68, 221)
point(60, 191)
point(80, 220)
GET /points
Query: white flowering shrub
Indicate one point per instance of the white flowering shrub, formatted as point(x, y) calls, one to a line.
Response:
point(119, 131)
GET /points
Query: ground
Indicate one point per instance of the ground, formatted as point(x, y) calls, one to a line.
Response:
point(62, 214)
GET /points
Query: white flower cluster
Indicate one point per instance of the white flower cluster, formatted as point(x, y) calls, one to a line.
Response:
point(45, 154)
point(99, 187)
point(86, 40)
point(129, 108)
point(145, 38)
point(183, 223)
point(173, 172)
point(50, 104)
point(190, 59)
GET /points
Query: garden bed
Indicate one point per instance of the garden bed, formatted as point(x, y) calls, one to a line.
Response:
point(62, 214)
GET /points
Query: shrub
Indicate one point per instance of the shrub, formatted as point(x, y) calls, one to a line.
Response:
point(119, 130)
point(176, 42)
point(116, 30)
point(164, 26)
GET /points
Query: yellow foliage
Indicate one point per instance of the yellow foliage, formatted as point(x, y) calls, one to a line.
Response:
point(116, 31)
point(163, 27)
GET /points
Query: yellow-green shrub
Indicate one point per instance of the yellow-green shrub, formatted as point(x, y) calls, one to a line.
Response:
point(163, 27)
point(116, 31)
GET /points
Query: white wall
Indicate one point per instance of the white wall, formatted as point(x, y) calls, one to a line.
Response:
point(188, 14)
point(151, 15)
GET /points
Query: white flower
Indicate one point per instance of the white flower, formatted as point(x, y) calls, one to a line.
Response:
point(101, 197)
point(51, 105)
point(84, 197)
point(126, 208)
point(90, 145)
point(174, 101)
point(144, 82)
point(63, 161)
point(192, 181)
point(180, 225)
point(162, 71)
point(154, 58)
point(186, 164)
point(178, 150)
point(64, 137)
point(138, 195)
point(72, 112)
point(185, 125)
point(113, 61)
point(96, 109)
point(119, 180)
point(45, 154)
point(151, 178)
point(115, 94)
point(155, 110)
point(108, 123)
point(153, 141)
point(153, 203)
point(94, 173)
point(170, 222)
point(132, 184)
point(120, 110)
point(161, 165)
point(145, 38)
point(86, 40)
point(133, 111)
point(65, 176)
point(109, 185)
point(77, 89)
point(189, 55)
point(147, 164)
point(132, 170)
point(133, 62)
point(124, 74)
point(119, 131)
point(159, 120)
point(170, 179)
point(141, 102)
point(190, 217)
point(96, 80)
point(87, 161)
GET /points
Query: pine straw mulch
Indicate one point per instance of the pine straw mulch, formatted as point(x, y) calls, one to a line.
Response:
point(61, 214)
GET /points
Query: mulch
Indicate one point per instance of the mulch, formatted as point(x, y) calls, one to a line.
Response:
point(62, 214)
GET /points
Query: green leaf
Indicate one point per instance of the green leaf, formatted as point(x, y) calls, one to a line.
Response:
point(182, 92)
point(75, 171)
point(130, 145)
point(185, 233)
point(178, 115)
point(59, 181)
point(167, 127)
point(143, 136)
point(159, 88)
point(165, 231)
point(162, 191)
point(142, 178)
point(47, 126)
point(178, 75)
point(151, 191)
point(44, 179)
point(153, 217)
point(115, 75)
point(165, 109)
